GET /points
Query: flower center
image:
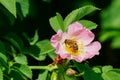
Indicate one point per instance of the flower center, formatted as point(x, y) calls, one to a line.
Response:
point(73, 47)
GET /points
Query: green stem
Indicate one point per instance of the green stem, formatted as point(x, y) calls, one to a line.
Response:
point(48, 67)
point(80, 74)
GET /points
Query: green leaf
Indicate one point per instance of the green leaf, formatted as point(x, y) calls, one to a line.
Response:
point(56, 22)
point(97, 69)
point(1, 74)
point(111, 74)
point(15, 75)
point(32, 40)
point(42, 57)
point(3, 57)
point(35, 38)
point(24, 69)
point(106, 68)
point(7, 17)
point(110, 18)
point(80, 67)
point(77, 14)
point(10, 5)
point(23, 6)
point(110, 24)
point(105, 35)
point(52, 55)
point(11, 50)
point(54, 76)
point(60, 76)
point(40, 50)
point(64, 76)
point(112, 35)
point(33, 51)
point(3, 60)
point(108, 72)
point(15, 40)
point(88, 24)
point(90, 74)
point(20, 58)
point(67, 77)
point(116, 42)
point(45, 46)
point(43, 75)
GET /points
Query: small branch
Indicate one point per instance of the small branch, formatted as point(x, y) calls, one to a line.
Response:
point(49, 67)
point(80, 74)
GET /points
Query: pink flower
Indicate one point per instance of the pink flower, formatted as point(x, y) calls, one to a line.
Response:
point(76, 43)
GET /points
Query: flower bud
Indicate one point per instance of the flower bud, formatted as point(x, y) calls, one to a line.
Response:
point(70, 72)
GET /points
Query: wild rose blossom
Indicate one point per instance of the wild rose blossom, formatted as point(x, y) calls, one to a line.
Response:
point(76, 43)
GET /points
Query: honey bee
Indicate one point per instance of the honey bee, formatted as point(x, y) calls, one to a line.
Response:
point(71, 44)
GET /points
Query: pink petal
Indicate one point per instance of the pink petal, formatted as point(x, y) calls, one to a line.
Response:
point(77, 31)
point(55, 39)
point(92, 49)
point(74, 28)
point(64, 56)
point(78, 58)
point(85, 36)
point(61, 51)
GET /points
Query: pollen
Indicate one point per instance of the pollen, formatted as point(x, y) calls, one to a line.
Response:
point(73, 47)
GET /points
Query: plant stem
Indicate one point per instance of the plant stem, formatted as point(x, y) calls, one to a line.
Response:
point(80, 74)
point(48, 67)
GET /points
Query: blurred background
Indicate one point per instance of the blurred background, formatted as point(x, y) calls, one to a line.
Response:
point(39, 12)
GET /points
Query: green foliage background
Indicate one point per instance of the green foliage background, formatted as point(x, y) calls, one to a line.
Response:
point(25, 32)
